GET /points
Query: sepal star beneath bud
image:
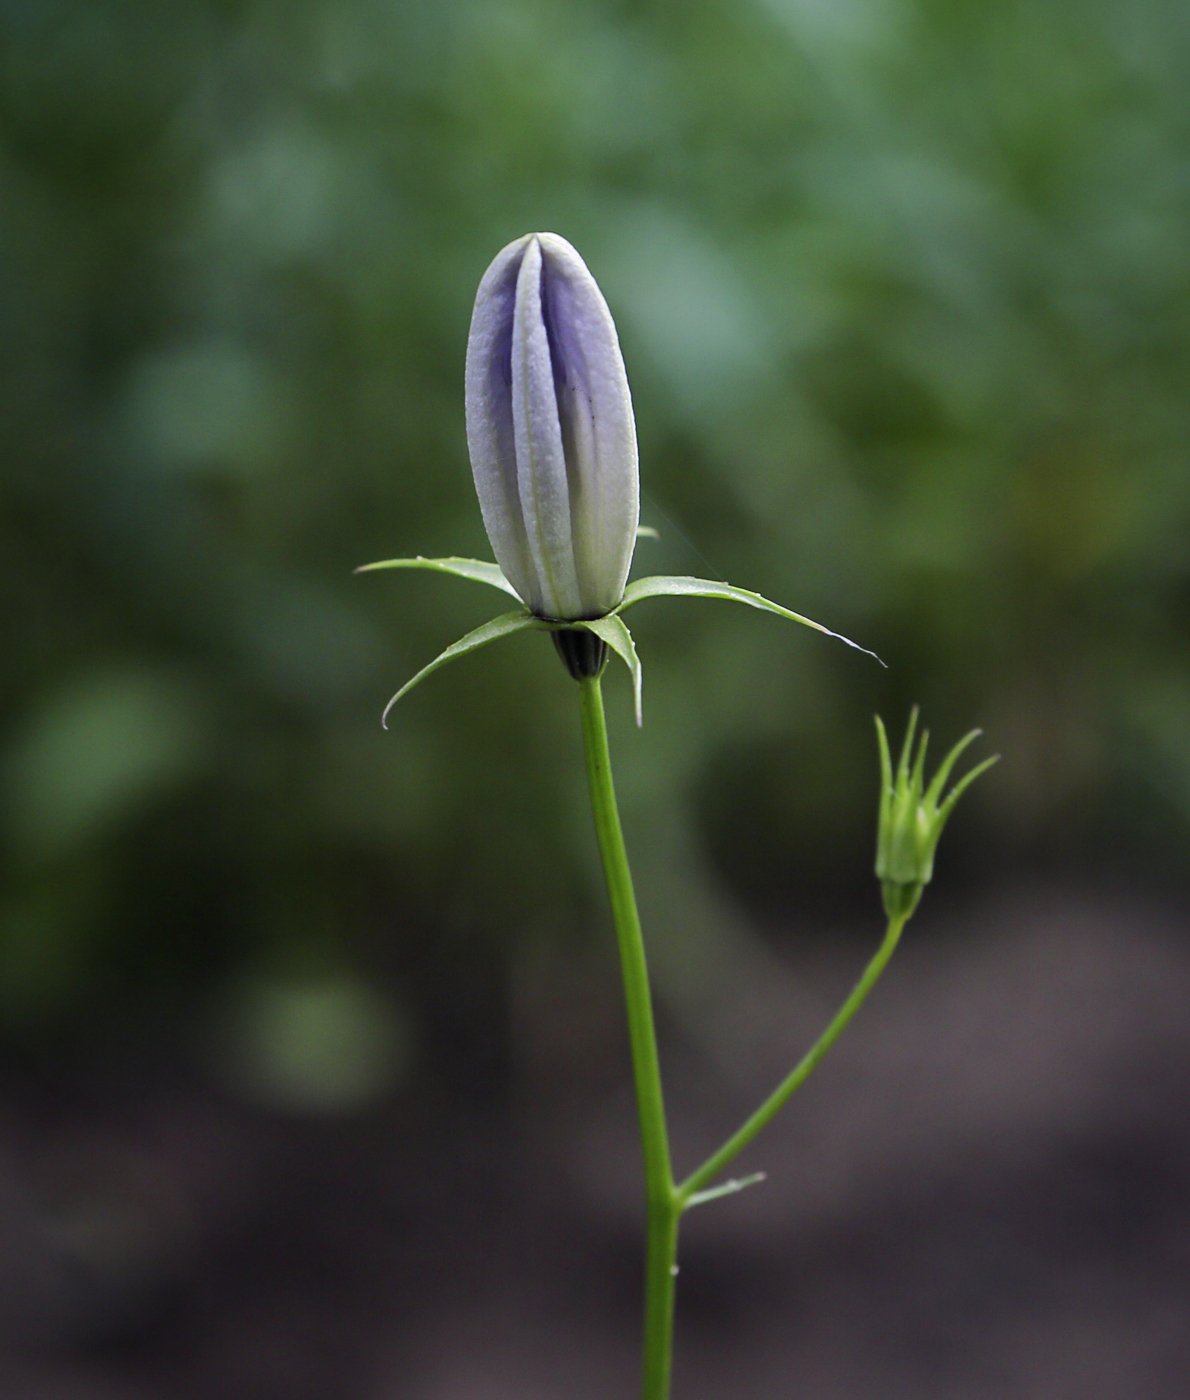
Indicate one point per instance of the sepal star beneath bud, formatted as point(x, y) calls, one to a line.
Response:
point(610, 628)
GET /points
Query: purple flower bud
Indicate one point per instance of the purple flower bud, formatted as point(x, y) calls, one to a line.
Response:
point(551, 432)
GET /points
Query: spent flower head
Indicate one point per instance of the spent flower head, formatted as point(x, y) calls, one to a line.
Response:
point(912, 817)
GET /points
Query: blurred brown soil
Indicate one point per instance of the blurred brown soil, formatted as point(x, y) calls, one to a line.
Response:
point(983, 1195)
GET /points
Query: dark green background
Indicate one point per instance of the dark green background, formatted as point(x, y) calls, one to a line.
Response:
point(902, 287)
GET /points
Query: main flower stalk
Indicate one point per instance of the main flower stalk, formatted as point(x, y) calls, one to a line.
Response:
point(662, 1200)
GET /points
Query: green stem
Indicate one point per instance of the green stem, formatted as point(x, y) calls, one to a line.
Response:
point(801, 1072)
point(663, 1203)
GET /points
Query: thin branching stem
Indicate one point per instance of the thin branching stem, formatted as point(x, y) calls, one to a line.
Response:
point(665, 1201)
point(691, 1190)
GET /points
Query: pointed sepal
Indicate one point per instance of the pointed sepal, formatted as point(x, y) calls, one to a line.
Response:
point(503, 626)
point(680, 586)
point(479, 570)
point(614, 631)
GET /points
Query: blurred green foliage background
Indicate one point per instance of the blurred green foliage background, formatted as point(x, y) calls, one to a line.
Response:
point(904, 293)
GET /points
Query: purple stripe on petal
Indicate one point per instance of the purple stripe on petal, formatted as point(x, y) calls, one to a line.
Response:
point(541, 458)
point(598, 428)
point(491, 438)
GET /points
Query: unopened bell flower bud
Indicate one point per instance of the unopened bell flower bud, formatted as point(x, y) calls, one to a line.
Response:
point(551, 432)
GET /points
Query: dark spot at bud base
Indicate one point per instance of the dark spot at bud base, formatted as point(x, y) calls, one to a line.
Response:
point(583, 653)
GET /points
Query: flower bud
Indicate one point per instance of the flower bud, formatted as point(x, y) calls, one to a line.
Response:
point(911, 817)
point(551, 432)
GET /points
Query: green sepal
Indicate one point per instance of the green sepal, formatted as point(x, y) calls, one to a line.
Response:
point(611, 629)
point(679, 586)
point(502, 626)
point(478, 570)
point(614, 631)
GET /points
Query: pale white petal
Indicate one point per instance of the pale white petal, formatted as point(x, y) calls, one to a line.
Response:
point(540, 456)
point(597, 425)
point(490, 432)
